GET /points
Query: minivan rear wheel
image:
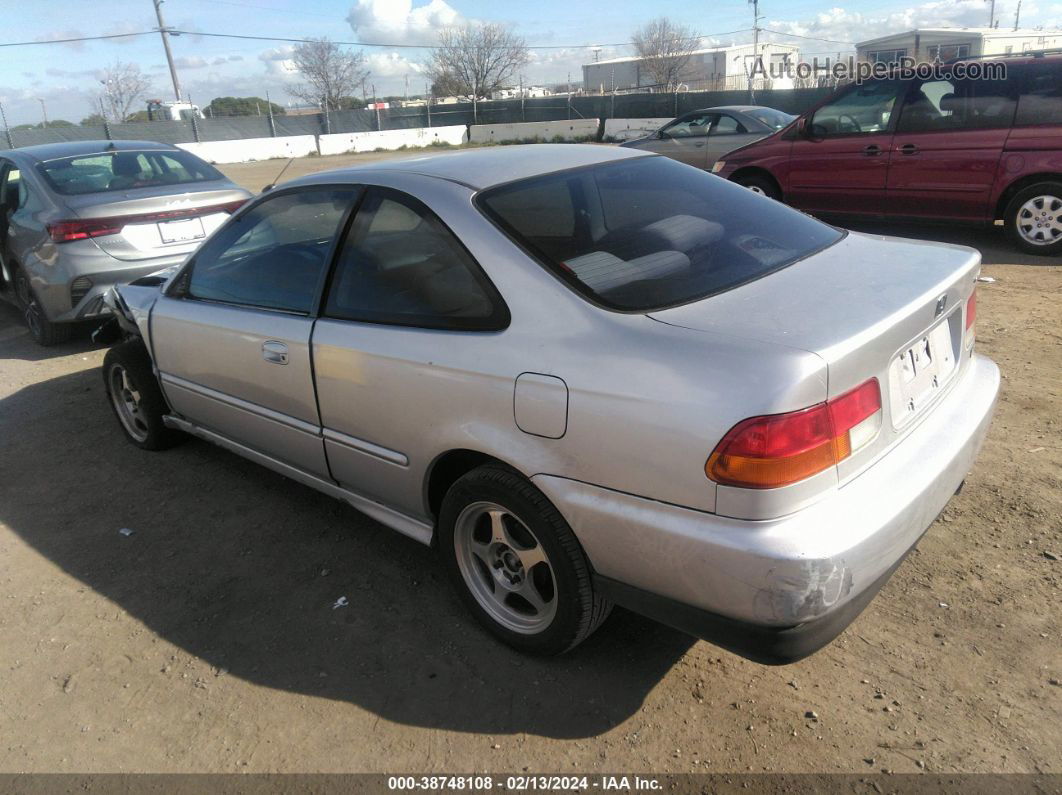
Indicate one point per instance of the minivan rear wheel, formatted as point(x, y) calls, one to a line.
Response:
point(1033, 219)
point(516, 563)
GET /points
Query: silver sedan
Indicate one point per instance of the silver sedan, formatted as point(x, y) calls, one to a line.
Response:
point(701, 137)
point(587, 376)
point(79, 216)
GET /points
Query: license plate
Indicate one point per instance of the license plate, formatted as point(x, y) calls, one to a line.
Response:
point(917, 373)
point(182, 230)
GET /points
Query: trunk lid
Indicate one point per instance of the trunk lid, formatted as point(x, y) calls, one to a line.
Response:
point(871, 307)
point(156, 221)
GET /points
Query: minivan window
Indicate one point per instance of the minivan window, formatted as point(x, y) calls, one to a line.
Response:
point(124, 170)
point(950, 104)
point(649, 232)
point(1041, 96)
point(866, 108)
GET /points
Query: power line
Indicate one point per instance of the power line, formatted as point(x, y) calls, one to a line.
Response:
point(809, 38)
point(79, 38)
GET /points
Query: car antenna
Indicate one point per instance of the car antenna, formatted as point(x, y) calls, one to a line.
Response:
point(273, 184)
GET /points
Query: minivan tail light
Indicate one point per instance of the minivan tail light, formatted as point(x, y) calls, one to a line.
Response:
point(780, 449)
point(84, 228)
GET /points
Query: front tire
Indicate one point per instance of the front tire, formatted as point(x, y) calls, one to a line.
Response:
point(516, 563)
point(44, 332)
point(757, 183)
point(1034, 219)
point(136, 398)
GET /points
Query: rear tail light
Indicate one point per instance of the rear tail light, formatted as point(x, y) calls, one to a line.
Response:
point(776, 450)
point(971, 317)
point(79, 288)
point(84, 228)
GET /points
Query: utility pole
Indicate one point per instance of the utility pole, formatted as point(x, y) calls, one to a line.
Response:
point(7, 130)
point(755, 48)
point(44, 112)
point(165, 33)
point(1017, 15)
point(991, 13)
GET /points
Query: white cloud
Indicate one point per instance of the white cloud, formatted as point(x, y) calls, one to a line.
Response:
point(392, 64)
point(191, 62)
point(399, 22)
point(278, 61)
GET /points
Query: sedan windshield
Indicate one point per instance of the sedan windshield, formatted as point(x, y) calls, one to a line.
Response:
point(774, 119)
point(646, 233)
point(125, 170)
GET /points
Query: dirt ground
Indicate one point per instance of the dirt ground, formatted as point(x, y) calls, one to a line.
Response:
point(206, 640)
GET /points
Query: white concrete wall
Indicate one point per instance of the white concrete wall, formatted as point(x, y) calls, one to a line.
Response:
point(626, 129)
point(542, 130)
point(390, 139)
point(247, 149)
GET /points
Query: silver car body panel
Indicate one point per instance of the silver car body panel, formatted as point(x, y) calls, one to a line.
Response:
point(647, 398)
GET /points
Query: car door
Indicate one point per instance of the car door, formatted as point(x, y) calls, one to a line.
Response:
point(945, 154)
point(404, 330)
point(841, 162)
point(685, 139)
point(9, 199)
point(726, 134)
point(232, 335)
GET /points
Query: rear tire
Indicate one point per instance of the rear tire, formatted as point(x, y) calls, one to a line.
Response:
point(44, 332)
point(1034, 219)
point(136, 398)
point(516, 563)
point(757, 183)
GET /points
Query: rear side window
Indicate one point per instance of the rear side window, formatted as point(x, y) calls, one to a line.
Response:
point(400, 265)
point(1041, 97)
point(949, 104)
point(273, 256)
point(125, 170)
point(648, 233)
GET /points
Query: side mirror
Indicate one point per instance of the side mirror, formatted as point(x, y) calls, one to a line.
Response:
point(661, 135)
point(803, 128)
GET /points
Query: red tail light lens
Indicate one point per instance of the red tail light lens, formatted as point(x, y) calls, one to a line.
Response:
point(84, 228)
point(776, 450)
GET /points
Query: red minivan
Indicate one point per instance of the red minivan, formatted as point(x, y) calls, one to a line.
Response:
point(941, 149)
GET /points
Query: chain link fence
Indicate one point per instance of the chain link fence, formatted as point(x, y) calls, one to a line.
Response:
point(551, 108)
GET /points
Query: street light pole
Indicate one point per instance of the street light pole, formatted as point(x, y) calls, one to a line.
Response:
point(165, 33)
point(44, 112)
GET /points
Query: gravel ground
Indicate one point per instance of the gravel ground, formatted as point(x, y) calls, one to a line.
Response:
point(206, 639)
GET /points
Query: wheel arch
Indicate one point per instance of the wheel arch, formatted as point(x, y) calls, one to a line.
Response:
point(757, 171)
point(450, 466)
point(1019, 185)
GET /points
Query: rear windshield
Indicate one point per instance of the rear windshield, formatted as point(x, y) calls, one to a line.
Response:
point(125, 170)
point(649, 232)
point(774, 119)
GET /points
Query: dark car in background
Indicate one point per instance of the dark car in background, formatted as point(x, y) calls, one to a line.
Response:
point(78, 217)
point(703, 136)
point(949, 148)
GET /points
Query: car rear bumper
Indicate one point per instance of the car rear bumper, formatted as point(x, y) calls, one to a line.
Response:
point(780, 589)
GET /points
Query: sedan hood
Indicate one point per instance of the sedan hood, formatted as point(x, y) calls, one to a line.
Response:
point(855, 304)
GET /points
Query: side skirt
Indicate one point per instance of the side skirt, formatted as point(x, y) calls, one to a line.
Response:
point(406, 525)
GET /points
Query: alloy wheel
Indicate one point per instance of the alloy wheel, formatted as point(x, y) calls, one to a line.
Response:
point(126, 399)
point(1039, 220)
point(505, 568)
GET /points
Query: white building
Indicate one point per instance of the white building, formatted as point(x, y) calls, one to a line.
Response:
point(514, 93)
point(712, 69)
point(929, 44)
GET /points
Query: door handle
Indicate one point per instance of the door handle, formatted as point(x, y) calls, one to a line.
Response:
point(909, 149)
point(275, 352)
point(872, 151)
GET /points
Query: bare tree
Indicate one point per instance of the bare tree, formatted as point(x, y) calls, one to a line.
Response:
point(474, 60)
point(665, 48)
point(331, 73)
point(123, 86)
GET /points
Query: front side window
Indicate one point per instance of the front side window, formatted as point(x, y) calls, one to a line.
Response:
point(951, 104)
point(14, 190)
point(125, 170)
point(866, 108)
point(1041, 96)
point(402, 266)
point(689, 127)
point(274, 256)
point(649, 232)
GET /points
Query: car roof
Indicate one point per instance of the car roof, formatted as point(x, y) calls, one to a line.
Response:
point(739, 108)
point(44, 152)
point(488, 166)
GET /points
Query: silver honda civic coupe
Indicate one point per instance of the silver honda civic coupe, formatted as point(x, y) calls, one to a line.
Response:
point(77, 217)
point(588, 376)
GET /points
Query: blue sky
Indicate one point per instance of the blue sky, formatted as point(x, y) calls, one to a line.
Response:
point(66, 76)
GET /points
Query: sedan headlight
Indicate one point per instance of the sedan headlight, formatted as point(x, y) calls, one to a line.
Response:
point(719, 165)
